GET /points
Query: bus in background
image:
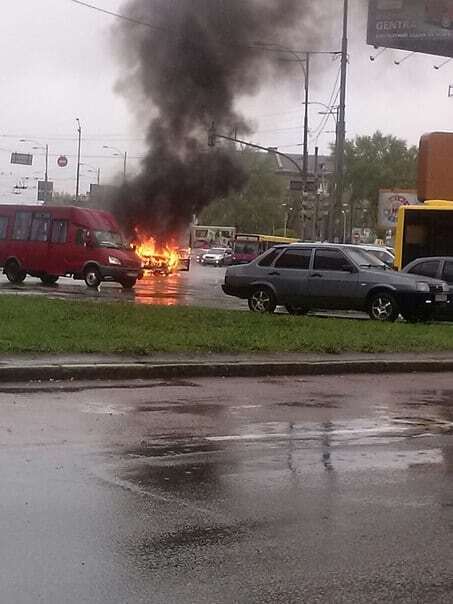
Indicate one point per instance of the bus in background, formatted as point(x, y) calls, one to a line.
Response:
point(423, 231)
point(248, 247)
point(205, 237)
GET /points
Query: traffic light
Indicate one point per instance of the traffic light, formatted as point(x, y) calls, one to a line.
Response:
point(212, 136)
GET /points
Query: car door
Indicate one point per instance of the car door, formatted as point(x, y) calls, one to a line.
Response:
point(289, 276)
point(333, 281)
point(427, 268)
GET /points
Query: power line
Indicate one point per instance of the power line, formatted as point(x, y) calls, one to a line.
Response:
point(120, 16)
point(261, 46)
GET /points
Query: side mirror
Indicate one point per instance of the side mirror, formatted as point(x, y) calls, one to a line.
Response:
point(348, 268)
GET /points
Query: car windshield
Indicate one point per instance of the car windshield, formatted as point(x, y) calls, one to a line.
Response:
point(216, 250)
point(364, 259)
point(246, 247)
point(108, 239)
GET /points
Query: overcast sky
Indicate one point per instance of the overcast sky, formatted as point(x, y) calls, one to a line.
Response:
point(56, 64)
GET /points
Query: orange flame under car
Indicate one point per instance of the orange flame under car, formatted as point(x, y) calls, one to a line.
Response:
point(156, 259)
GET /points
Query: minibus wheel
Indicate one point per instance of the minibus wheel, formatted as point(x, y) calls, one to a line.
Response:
point(92, 276)
point(128, 283)
point(49, 279)
point(14, 273)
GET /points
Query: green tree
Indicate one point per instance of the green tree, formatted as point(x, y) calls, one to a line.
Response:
point(258, 207)
point(378, 162)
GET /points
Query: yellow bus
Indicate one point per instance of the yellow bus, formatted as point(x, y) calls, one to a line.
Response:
point(424, 230)
point(248, 247)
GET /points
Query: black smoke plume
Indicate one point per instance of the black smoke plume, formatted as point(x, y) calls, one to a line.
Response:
point(185, 72)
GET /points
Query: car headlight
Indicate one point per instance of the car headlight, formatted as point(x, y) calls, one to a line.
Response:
point(422, 286)
point(114, 260)
point(445, 287)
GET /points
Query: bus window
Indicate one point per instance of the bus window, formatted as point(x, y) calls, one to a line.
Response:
point(22, 226)
point(59, 231)
point(3, 226)
point(40, 227)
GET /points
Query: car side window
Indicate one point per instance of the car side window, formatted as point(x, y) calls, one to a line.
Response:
point(3, 226)
point(426, 269)
point(296, 259)
point(269, 258)
point(22, 224)
point(330, 260)
point(447, 275)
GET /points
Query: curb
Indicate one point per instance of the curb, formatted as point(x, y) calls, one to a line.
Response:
point(150, 371)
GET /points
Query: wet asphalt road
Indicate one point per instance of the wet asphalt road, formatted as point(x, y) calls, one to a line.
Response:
point(217, 491)
point(201, 286)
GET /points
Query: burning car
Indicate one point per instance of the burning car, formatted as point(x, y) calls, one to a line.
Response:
point(160, 260)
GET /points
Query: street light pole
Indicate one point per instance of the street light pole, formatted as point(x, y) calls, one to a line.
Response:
point(46, 175)
point(307, 102)
point(79, 130)
point(123, 154)
point(341, 127)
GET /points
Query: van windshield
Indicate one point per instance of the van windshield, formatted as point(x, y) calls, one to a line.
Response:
point(108, 239)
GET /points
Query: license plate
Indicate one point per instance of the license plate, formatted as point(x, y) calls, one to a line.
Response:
point(441, 298)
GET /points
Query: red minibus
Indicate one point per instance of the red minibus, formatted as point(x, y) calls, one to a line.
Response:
point(50, 242)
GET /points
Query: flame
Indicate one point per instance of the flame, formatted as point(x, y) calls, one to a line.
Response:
point(156, 259)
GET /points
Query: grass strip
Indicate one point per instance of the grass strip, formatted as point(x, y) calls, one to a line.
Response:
point(38, 325)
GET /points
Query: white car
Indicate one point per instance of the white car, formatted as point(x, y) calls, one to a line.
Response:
point(383, 253)
point(218, 256)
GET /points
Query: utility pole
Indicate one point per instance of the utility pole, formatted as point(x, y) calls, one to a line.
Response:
point(125, 163)
point(99, 176)
point(46, 175)
point(307, 102)
point(79, 130)
point(341, 128)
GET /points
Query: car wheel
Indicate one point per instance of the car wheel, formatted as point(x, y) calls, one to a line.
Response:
point(49, 279)
point(262, 301)
point(296, 310)
point(92, 276)
point(383, 307)
point(14, 273)
point(128, 283)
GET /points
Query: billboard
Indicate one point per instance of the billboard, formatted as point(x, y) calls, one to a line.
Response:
point(24, 159)
point(389, 204)
point(42, 190)
point(414, 25)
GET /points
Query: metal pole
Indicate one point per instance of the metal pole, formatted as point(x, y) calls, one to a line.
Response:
point(46, 175)
point(316, 203)
point(99, 176)
point(307, 102)
point(342, 114)
point(125, 162)
point(79, 130)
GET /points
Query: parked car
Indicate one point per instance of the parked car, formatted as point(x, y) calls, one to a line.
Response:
point(303, 277)
point(52, 241)
point(438, 267)
point(383, 253)
point(218, 256)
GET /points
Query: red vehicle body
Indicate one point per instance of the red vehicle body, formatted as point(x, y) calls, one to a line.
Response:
point(439, 11)
point(49, 242)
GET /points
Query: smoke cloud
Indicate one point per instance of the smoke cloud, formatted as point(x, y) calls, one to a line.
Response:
point(184, 73)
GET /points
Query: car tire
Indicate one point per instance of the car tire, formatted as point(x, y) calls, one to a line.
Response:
point(49, 279)
point(92, 276)
point(382, 306)
point(128, 283)
point(262, 300)
point(14, 273)
point(296, 310)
